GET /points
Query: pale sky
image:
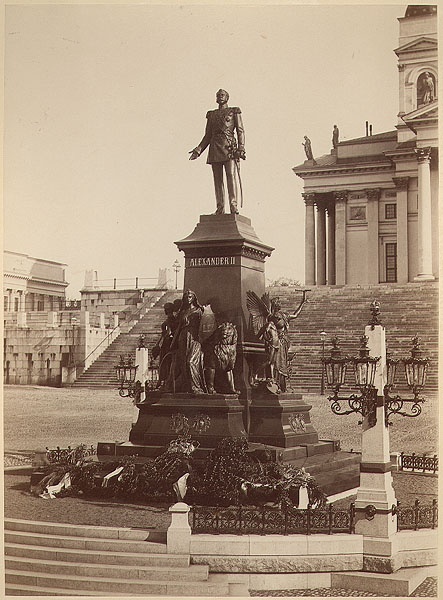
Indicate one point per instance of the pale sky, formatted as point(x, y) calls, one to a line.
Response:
point(104, 102)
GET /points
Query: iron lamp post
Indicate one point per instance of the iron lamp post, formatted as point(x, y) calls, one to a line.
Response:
point(365, 367)
point(151, 382)
point(176, 266)
point(126, 372)
point(364, 373)
point(323, 339)
point(416, 367)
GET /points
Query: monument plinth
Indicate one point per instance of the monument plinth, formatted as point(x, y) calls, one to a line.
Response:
point(224, 258)
point(208, 418)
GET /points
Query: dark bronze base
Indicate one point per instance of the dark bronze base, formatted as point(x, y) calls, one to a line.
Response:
point(207, 418)
point(281, 420)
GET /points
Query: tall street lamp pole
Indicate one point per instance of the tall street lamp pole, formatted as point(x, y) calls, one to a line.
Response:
point(176, 266)
point(323, 339)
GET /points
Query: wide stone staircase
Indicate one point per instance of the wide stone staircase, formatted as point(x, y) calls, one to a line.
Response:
point(54, 559)
point(102, 373)
point(406, 310)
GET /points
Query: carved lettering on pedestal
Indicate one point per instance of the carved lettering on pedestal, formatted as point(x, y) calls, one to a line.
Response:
point(211, 261)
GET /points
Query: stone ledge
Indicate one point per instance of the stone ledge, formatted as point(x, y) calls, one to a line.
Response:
point(280, 564)
point(268, 546)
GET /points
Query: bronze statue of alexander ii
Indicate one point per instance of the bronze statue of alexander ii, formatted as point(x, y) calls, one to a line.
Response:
point(225, 150)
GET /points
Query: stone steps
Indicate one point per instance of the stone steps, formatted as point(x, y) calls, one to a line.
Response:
point(61, 559)
point(84, 569)
point(126, 587)
point(102, 372)
point(400, 583)
point(344, 311)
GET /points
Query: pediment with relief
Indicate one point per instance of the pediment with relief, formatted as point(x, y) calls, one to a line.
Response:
point(428, 111)
point(418, 45)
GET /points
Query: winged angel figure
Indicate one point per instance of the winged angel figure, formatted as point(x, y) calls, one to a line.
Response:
point(271, 324)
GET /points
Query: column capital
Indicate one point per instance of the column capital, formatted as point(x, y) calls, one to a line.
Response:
point(373, 194)
point(341, 196)
point(401, 183)
point(309, 198)
point(321, 205)
point(423, 154)
point(400, 67)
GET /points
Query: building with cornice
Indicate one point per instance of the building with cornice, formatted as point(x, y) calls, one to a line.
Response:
point(372, 202)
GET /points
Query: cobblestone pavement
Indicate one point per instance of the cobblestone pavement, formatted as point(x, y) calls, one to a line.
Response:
point(427, 589)
point(313, 593)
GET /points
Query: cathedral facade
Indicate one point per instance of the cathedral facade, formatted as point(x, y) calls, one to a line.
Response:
point(372, 203)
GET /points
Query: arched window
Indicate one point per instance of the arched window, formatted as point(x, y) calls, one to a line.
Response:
point(426, 89)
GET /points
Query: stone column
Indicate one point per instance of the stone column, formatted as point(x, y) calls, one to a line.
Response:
point(375, 496)
point(309, 239)
point(373, 196)
point(340, 237)
point(142, 362)
point(401, 183)
point(321, 243)
point(424, 216)
point(8, 301)
point(21, 315)
point(331, 243)
point(21, 303)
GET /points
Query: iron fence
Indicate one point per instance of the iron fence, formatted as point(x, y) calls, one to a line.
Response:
point(69, 455)
point(240, 520)
point(419, 516)
point(418, 463)
point(71, 305)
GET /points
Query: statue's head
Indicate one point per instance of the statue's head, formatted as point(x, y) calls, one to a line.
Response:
point(275, 304)
point(189, 298)
point(222, 96)
point(168, 308)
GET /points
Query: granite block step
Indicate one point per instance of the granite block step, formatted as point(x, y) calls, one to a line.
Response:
point(122, 533)
point(123, 586)
point(140, 559)
point(13, 589)
point(85, 543)
point(400, 583)
point(83, 569)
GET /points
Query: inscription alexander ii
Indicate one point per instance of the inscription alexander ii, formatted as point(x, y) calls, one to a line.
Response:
point(211, 261)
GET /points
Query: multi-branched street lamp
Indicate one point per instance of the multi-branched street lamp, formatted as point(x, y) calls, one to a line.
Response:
point(126, 372)
point(176, 266)
point(416, 368)
point(323, 335)
point(365, 368)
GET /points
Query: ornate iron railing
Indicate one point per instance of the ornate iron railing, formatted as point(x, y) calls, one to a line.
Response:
point(416, 462)
point(71, 305)
point(418, 516)
point(69, 455)
point(240, 520)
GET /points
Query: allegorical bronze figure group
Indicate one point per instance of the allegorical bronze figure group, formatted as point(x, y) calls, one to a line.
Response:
point(197, 355)
point(271, 325)
point(193, 349)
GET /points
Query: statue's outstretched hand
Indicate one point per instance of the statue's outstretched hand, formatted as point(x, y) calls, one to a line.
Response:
point(194, 154)
point(241, 153)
